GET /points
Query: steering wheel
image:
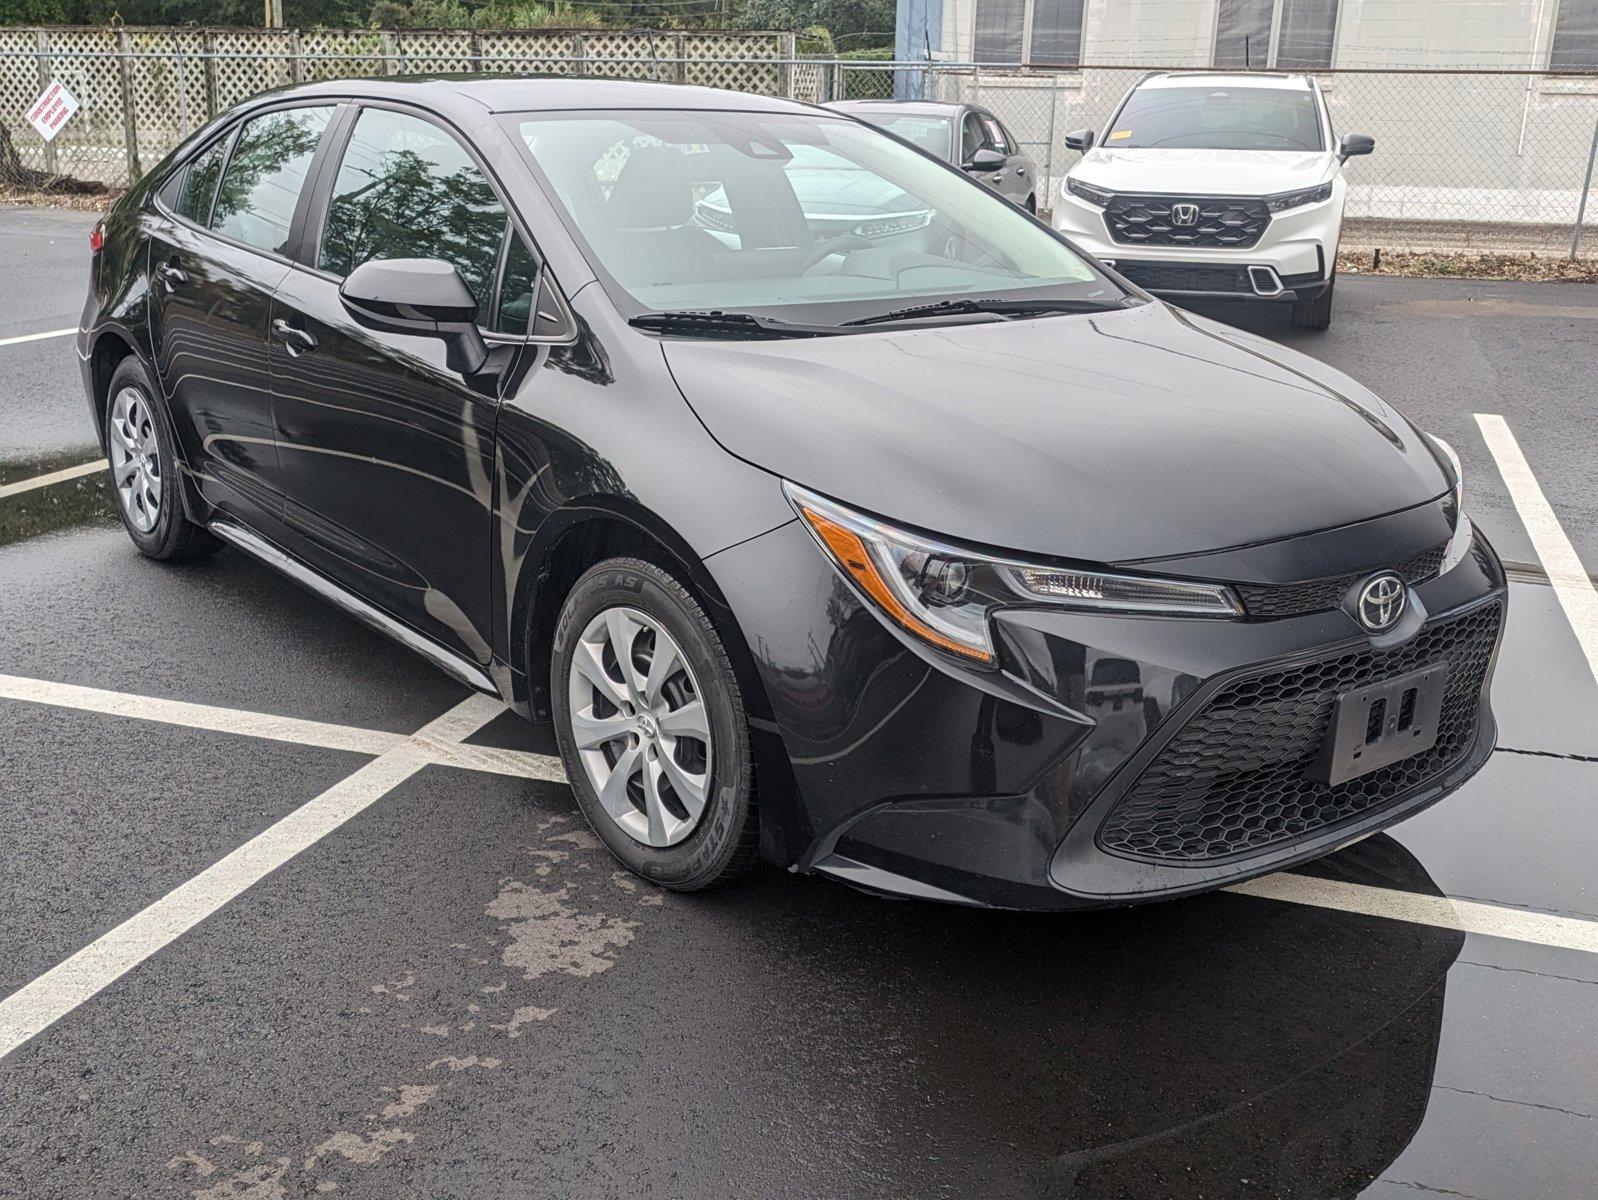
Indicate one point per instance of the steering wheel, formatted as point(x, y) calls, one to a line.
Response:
point(849, 241)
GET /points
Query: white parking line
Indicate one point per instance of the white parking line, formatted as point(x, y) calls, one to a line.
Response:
point(1467, 916)
point(61, 476)
point(1569, 578)
point(36, 337)
point(38, 1005)
point(444, 751)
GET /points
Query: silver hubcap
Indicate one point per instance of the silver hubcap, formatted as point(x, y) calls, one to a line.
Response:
point(135, 459)
point(639, 724)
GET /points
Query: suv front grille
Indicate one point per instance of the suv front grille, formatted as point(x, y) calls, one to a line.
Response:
point(1263, 601)
point(1235, 779)
point(1229, 222)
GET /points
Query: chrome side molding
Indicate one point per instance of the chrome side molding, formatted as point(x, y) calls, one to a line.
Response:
point(259, 548)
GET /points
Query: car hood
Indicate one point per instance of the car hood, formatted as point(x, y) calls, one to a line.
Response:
point(1203, 172)
point(1132, 434)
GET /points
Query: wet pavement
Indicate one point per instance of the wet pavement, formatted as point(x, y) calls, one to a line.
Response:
point(457, 994)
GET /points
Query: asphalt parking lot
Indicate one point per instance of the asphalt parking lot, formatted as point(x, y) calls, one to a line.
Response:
point(260, 941)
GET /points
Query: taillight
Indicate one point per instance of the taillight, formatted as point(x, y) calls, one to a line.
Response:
point(97, 237)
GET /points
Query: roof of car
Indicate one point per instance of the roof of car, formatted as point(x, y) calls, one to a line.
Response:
point(535, 93)
point(1252, 79)
point(927, 108)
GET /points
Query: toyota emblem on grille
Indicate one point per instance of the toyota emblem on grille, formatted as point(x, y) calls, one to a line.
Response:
point(1381, 601)
point(1184, 214)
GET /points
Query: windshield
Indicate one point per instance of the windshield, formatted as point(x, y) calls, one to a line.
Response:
point(791, 217)
point(1199, 118)
point(932, 134)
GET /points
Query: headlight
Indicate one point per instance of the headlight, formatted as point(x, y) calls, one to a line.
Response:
point(1088, 192)
point(1288, 200)
point(945, 594)
point(1459, 544)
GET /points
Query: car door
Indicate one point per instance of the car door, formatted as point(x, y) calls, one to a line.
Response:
point(216, 257)
point(386, 453)
point(1011, 181)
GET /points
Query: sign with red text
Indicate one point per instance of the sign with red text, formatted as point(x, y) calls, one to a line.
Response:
point(52, 110)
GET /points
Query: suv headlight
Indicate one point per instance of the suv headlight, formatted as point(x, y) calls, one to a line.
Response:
point(1088, 192)
point(945, 594)
point(1286, 200)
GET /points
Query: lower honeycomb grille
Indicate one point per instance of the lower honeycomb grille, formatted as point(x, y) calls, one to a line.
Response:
point(1235, 779)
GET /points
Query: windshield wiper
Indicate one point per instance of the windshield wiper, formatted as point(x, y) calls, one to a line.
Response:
point(996, 305)
point(716, 323)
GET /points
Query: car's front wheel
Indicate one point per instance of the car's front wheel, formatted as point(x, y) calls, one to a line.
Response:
point(1316, 313)
point(652, 728)
point(142, 453)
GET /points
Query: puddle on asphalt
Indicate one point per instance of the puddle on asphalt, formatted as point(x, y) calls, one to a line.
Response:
point(85, 501)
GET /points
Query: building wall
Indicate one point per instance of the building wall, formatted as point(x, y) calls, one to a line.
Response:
point(1370, 33)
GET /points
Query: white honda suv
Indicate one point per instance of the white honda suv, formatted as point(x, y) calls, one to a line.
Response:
point(1212, 185)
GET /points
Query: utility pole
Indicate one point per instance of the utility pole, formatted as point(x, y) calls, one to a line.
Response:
point(273, 13)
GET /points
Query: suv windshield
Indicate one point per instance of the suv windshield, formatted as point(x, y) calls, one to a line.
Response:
point(794, 217)
point(1209, 118)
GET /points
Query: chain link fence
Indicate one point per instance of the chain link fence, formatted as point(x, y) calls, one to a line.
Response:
point(1465, 160)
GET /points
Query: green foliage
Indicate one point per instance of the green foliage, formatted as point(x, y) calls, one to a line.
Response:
point(852, 23)
point(869, 54)
point(32, 12)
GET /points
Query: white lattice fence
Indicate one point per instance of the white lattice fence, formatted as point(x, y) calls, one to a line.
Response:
point(143, 90)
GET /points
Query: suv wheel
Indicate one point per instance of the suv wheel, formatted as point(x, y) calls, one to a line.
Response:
point(1316, 313)
point(144, 470)
point(652, 728)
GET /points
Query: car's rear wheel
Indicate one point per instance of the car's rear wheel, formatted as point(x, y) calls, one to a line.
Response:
point(1032, 205)
point(1316, 313)
point(144, 470)
point(652, 728)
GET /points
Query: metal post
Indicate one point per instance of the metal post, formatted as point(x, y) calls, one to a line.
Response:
point(130, 128)
point(1047, 199)
point(388, 46)
point(296, 59)
point(680, 48)
point(1586, 186)
point(42, 41)
point(787, 46)
point(579, 54)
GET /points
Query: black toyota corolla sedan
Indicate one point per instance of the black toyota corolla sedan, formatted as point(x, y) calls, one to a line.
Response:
point(916, 548)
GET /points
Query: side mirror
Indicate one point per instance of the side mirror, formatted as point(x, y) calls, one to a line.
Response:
point(1079, 139)
point(424, 297)
point(986, 160)
point(1355, 143)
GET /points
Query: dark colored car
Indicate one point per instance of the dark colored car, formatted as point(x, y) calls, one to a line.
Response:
point(965, 572)
point(963, 135)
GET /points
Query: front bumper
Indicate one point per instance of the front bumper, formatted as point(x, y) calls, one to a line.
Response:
point(1292, 261)
point(917, 776)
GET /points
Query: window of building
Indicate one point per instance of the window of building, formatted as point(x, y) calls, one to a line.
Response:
point(1289, 35)
point(1040, 32)
point(1575, 45)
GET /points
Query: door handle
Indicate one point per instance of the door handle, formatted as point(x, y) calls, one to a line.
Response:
point(296, 341)
point(171, 274)
point(1020, 170)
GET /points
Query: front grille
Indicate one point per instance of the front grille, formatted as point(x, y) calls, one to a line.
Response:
point(1234, 222)
point(1235, 778)
point(1176, 277)
point(1264, 601)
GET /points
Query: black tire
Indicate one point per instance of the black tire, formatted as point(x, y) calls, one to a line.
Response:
point(173, 537)
point(725, 841)
point(1032, 205)
point(1316, 313)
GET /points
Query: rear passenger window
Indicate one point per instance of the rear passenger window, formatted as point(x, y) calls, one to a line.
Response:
point(256, 202)
point(407, 189)
point(199, 185)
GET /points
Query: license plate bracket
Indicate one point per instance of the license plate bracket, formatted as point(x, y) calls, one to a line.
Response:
point(1380, 724)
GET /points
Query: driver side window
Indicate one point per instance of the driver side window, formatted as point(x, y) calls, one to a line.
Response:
point(970, 137)
point(407, 189)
